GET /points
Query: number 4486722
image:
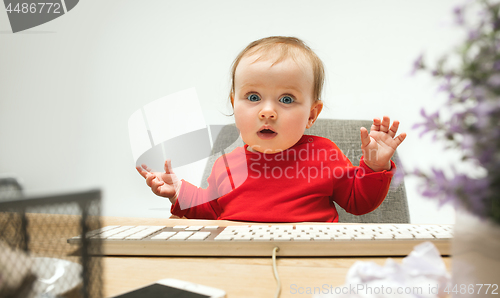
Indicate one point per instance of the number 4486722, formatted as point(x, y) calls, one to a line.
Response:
point(34, 8)
point(472, 289)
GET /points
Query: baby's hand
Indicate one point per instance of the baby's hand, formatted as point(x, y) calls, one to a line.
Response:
point(162, 184)
point(379, 146)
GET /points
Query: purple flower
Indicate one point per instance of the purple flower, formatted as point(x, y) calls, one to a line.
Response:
point(455, 123)
point(494, 80)
point(445, 86)
point(486, 155)
point(459, 15)
point(474, 191)
point(473, 35)
point(479, 92)
point(472, 119)
point(496, 24)
point(430, 123)
point(417, 64)
point(468, 142)
point(481, 111)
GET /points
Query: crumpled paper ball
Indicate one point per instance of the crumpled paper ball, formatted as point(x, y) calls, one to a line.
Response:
point(421, 274)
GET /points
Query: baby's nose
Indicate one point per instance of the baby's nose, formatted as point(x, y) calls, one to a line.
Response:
point(268, 113)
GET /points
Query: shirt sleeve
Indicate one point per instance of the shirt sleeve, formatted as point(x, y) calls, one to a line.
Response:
point(360, 190)
point(196, 203)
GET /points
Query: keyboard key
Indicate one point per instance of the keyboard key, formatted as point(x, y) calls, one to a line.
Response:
point(283, 238)
point(163, 236)
point(199, 236)
point(284, 228)
point(99, 231)
point(138, 236)
point(342, 237)
point(223, 238)
point(127, 233)
point(179, 227)
point(305, 227)
point(112, 232)
point(193, 228)
point(403, 236)
point(384, 236)
point(242, 238)
point(363, 237)
point(262, 238)
point(155, 228)
point(259, 227)
point(145, 233)
point(280, 233)
point(423, 236)
point(322, 238)
point(211, 227)
point(180, 236)
point(444, 236)
point(302, 237)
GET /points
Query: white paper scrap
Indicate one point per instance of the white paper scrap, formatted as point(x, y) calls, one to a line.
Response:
point(421, 274)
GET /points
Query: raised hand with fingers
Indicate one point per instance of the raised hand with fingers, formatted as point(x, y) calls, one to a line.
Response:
point(162, 184)
point(379, 145)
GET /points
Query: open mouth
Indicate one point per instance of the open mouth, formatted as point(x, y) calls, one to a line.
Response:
point(266, 134)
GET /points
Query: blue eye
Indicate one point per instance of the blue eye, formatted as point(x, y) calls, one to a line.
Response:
point(287, 99)
point(253, 97)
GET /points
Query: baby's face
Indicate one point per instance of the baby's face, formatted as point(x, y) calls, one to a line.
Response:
point(273, 105)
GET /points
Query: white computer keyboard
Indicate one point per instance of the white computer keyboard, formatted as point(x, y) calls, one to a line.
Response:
point(260, 239)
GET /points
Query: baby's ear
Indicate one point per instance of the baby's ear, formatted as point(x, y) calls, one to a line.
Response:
point(232, 99)
point(315, 111)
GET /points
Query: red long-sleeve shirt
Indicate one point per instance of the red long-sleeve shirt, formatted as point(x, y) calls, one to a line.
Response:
point(295, 185)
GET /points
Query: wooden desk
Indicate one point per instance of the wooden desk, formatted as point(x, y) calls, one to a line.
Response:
point(239, 277)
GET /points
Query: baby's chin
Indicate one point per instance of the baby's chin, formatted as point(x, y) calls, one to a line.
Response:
point(264, 149)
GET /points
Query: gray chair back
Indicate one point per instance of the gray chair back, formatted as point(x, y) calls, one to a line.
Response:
point(344, 133)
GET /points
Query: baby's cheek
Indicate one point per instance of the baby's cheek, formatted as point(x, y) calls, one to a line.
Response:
point(240, 120)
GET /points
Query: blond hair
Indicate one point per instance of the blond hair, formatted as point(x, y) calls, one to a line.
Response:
point(287, 47)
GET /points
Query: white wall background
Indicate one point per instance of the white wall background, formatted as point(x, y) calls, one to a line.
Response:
point(68, 87)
